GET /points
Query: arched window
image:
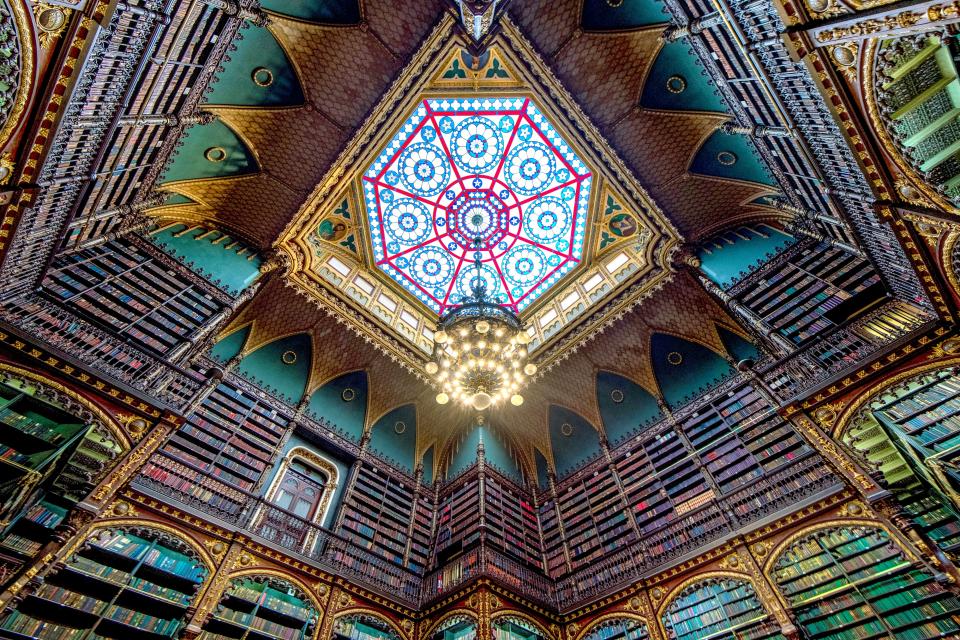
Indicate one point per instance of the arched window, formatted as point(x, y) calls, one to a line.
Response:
point(515, 628)
point(910, 432)
point(120, 583)
point(719, 609)
point(854, 582)
point(297, 501)
point(362, 626)
point(261, 607)
point(300, 490)
point(618, 629)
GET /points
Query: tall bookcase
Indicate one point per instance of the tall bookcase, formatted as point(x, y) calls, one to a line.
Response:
point(854, 582)
point(124, 584)
point(131, 293)
point(719, 609)
point(219, 457)
point(729, 443)
point(816, 287)
point(904, 433)
point(927, 417)
point(618, 629)
point(261, 608)
point(458, 524)
point(378, 514)
point(511, 521)
point(593, 517)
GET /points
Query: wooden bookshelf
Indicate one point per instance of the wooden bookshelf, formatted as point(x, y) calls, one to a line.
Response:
point(815, 288)
point(855, 583)
point(261, 609)
point(222, 453)
point(123, 288)
point(511, 521)
point(119, 585)
point(719, 609)
point(378, 514)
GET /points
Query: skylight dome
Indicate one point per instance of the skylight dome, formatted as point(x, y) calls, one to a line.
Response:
point(468, 178)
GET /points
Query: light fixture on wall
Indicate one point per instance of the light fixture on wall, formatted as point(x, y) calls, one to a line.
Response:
point(480, 351)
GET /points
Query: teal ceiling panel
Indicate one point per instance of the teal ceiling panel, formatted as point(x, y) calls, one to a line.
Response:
point(342, 403)
point(257, 73)
point(732, 156)
point(678, 82)
point(210, 150)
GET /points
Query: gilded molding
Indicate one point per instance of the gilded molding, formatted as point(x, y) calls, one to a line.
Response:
point(28, 59)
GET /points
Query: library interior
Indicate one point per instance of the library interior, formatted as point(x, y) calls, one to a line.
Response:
point(479, 319)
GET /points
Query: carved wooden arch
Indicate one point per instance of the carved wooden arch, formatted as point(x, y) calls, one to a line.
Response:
point(300, 585)
point(369, 613)
point(520, 616)
point(312, 459)
point(70, 401)
point(447, 617)
point(704, 577)
point(609, 617)
point(846, 417)
point(304, 591)
point(184, 537)
point(839, 523)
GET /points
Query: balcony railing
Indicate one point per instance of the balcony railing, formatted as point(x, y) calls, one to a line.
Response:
point(316, 544)
point(490, 563)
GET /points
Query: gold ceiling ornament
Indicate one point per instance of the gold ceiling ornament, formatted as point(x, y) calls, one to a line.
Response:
point(52, 22)
point(480, 353)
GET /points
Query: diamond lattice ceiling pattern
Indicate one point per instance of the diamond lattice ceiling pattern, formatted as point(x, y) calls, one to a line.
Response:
point(484, 178)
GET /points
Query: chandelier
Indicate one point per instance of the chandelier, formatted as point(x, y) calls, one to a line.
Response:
point(480, 351)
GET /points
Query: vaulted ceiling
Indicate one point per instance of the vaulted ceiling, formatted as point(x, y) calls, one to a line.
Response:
point(291, 96)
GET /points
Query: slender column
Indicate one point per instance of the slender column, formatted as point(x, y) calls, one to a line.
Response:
point(695, 27)
point(133, 224)
point(152, 120)
point(756, 130)
point(232, 8)
point(776, 342)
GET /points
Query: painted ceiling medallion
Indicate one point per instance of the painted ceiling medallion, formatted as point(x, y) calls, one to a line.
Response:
point(485, 178)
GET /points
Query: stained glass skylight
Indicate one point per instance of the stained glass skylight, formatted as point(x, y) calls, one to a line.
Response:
point(477, 177)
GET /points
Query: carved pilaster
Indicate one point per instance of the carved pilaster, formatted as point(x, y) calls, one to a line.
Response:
point(129, 464)
point(210, 595)
point(841, 463)
point(766, 591)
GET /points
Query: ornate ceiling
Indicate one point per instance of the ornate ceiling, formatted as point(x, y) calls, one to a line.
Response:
point(483, 179)
point(336, 134)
